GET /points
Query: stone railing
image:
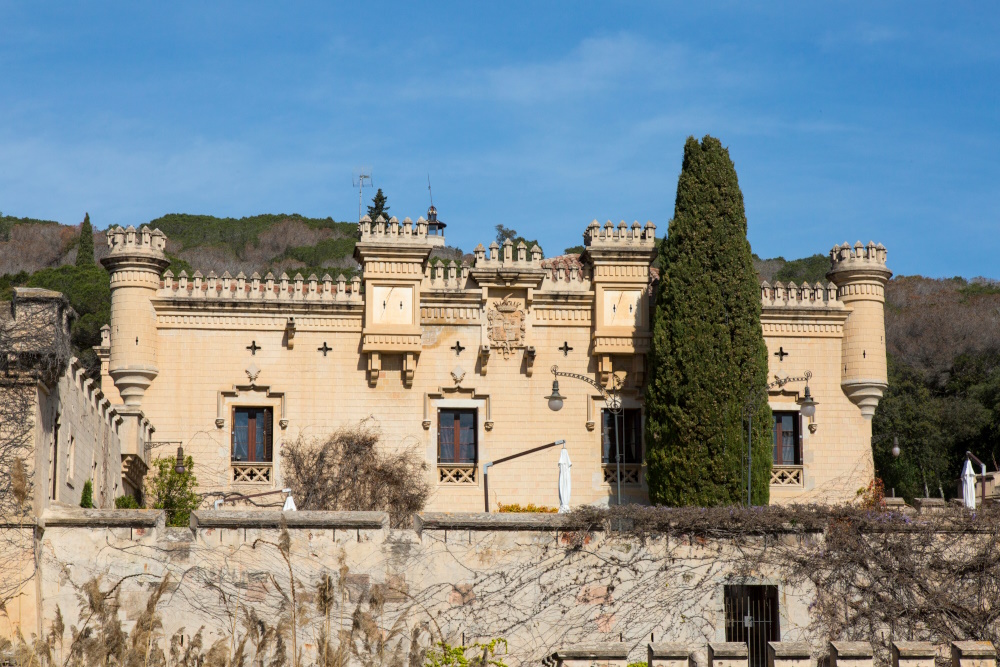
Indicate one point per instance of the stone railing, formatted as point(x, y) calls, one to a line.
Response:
point(781, 294)
point(631, 473)
point(456, 473)
point(789, 476)
point(252, 473)
point(779, 654)
point(256, 288)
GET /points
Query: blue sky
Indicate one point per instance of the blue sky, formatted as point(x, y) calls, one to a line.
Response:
point(846, 121)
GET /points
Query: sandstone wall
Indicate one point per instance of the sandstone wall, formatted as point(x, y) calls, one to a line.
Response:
point(532, 580)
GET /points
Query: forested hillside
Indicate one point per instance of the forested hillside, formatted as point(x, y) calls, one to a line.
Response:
point(943, 335)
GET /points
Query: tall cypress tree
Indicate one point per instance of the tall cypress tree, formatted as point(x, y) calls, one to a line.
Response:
point(85, 250)
point(378, 206)
point(707, 355)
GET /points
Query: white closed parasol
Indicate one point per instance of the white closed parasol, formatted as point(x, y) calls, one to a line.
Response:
point(968, 485)
point(564, 480)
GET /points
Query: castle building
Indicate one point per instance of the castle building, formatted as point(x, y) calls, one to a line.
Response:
point(456, 361)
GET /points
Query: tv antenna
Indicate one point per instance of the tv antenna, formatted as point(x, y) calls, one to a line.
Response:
point(365, 173)
point(429, 191)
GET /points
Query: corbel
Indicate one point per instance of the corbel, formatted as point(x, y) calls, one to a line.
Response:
point(639, 369)
point(488, 423)
point(426, 423)
point(374, 366)
point(484, 358)
point(590, 414)
point(604, 369)
point(290, 333)
point(529, 360)
point(409, 368)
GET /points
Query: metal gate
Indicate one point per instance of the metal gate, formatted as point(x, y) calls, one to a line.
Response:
point(752, 618)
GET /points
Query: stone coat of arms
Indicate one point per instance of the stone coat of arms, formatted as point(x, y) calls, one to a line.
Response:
point(506, 325)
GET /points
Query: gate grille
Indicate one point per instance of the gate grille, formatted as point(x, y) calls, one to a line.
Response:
point(752, 618)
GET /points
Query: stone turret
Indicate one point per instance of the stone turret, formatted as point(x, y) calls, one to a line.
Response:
point(860, 274)
point(135, 263)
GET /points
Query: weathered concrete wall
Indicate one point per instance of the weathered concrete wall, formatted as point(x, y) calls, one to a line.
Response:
point(531, 579)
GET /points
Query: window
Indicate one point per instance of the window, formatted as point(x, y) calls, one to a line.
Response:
point(752, 617)
point(630, 428)
point(457, 436)
point(786, 439)
point(252, 434)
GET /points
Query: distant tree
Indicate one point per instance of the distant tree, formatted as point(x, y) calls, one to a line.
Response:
point(85, 250)
point(574, 250)
point(707, 354)
point(504, 233)
point(87, 495)
point(378, 206)
point(810, 269)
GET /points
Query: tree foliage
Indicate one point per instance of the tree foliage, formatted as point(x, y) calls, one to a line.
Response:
point(87, 495)
point(378, 206)
point(943, 399)
point(350, 471)
point(172, 491)
point(504, 233)
point(707, 356)
point(85, 249)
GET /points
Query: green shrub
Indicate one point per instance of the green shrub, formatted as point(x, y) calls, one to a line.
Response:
point(173, 491)
point(87, 496)
point(126, 503)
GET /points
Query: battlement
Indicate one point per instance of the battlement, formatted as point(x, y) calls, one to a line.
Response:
point(447, 276)
point(844, 257)
point(801, 296)
point(394, 231)
point(609, 236)
point(255, 288)
point(507, 255)
point(565, 268)
point(92, 394)
point(130, 241)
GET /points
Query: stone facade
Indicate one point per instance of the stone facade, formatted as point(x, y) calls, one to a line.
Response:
point(410, 340)
point(74, 432)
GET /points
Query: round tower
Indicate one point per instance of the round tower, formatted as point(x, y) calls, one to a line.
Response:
point(860, 274)
point(135, 263)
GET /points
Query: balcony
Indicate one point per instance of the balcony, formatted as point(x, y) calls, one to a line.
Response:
point(631, 474)
point(258, 472)
point(786, 476)
point(456, 473)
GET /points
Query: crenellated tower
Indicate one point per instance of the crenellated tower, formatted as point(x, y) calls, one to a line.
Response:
point(135, 263)
point(860, 274)
point(621, 257)
point(393, 256)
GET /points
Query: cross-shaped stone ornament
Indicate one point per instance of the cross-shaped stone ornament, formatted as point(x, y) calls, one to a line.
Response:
point(458, 347)
point(253, 347)
point(324, 349)
point(565, 348)
point(781, 354)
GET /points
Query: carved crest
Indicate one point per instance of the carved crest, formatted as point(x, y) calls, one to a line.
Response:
point(506, 325)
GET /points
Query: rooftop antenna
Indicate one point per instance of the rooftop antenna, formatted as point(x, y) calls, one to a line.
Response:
point(359, 182)
point(429, 189)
